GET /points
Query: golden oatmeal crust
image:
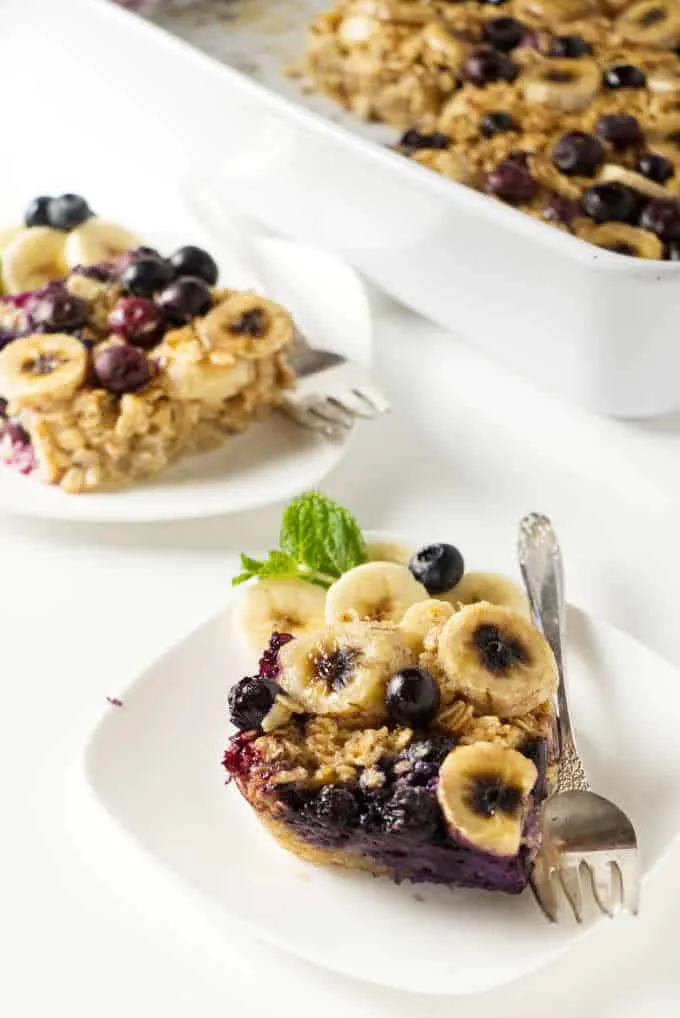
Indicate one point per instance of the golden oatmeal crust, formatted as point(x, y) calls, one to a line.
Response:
point(403, 63)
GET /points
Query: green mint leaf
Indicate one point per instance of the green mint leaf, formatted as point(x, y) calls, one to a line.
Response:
point(322, 534)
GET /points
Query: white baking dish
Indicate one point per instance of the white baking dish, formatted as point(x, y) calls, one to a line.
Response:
point(597, 327)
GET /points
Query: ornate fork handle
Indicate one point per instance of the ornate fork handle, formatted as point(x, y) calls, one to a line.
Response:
point(541, 564)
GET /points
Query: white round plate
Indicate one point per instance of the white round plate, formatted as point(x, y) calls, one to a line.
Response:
point(151, 779)
point(274, 459)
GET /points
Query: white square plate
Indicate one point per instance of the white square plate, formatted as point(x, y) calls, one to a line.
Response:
point(274, 459)
point(151, 778)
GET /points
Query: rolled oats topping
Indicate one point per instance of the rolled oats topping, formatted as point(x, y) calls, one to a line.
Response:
point(533, 102)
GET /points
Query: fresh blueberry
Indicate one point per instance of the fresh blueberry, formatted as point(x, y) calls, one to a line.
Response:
point(410, 811)
point(138, 320)
point(36, 213)
point(439, 567)
point(194, 261)
point(503, 33)
point(185, 299)
point(58, 311)
point(121, 369)
point(336, 806)
point(656, 167)
point(67, 211)
point(414, 141)
point(511, 181)
point(621, 130)
point(497, 122)
point(250, 700)
point(412, 697)
point(611, 203)
point(624, 76)
point(570, 46)
point(662, 217)
point(143, 277)
point(559, 209)
point(485, 65)
point(578, 154)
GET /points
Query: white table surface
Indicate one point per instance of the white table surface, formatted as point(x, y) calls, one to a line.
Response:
point(84, 607)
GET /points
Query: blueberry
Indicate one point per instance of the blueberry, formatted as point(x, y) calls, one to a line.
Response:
point(611, 203)
point(185, 299)
point(410, 811)
point(67, 211)
point(503, 33)
point(121, 369)
point(250, 700)
point(497, 122)
point(143, 277)
point(422, 775)
point(336, 806)
point(656, 167)
point(269, 662)
point(414, 140)
point(621, 130)
point(58, 311)
point(673, 251)
point(624, 76)
point(485, 65)
point(138, 320)
point(494, 3)
point(412, 697)
point(439, 567)
point(36, 213)
point(570, 46)
point(194, 261)
point(559, 209)
point(3, 408)
point(512, 182)
point(432, 750)
point(578, 154)
point(662, 217)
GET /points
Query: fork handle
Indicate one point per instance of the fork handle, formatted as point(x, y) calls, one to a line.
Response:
point(540, 561)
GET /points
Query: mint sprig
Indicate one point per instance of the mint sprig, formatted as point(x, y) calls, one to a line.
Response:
point(319, 541)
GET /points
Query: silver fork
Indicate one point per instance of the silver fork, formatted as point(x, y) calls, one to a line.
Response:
point(583, 835)
point(331, 391)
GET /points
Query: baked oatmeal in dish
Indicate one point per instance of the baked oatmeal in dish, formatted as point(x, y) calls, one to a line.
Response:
point(566, 109)
point(116, 361)
point(401, 718)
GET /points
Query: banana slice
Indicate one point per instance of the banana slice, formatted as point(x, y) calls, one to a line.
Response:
point(557, 11)
point(421, 618)
point(624, 239)
point(34, 257)
point(496, 660)
point(484, 791)
point(343, 669)
point(282, 606)
point(665, 80)
point(375, 591)
point(622, 175)
point(41, 369)
point(491, 587)
point(7, 234)
point(191, 373)
point(389, 551)
point(651, 23)
point(98, 241)
point(567, 85)
point(246, 325)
